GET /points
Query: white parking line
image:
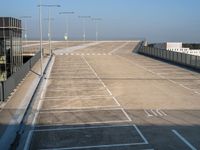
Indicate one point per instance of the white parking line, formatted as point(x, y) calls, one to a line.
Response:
point(72, 96)
point(156, 112)
point(82, 108)
point(184, 140)
point(163, 112)
point(72, 111)
point(84, 123)
point(77, 97)
point(148, 114)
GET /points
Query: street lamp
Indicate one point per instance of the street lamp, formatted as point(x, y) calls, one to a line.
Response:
point(49, 18)
point(84, 20)
point(96, 20)
point(25, 26)
point(40, 26)
point(40, 22)
point(66, 36)
point(49, 32)
point(25, 33)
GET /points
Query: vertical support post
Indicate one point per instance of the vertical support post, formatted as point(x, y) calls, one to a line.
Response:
point(40, 24)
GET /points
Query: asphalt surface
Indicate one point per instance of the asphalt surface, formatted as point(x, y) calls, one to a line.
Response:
point(104, 97)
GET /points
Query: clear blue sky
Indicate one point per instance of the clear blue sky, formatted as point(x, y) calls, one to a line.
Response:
point(155, 20)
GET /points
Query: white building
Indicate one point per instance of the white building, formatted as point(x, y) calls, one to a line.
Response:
point(177, 47)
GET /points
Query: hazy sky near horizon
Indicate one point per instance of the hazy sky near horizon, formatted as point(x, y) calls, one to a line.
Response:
point(154, 20)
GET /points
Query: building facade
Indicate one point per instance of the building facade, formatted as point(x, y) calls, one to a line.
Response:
point(11, 57)
point(177, 47)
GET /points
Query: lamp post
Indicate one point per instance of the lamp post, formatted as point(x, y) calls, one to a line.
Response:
point(49, 18)
point(40, 26)
point(25, 33)
point(84, 20)
point(96, 20)
point(40, 13)
point(66, 36)
point(49, 33)
point(25, 26)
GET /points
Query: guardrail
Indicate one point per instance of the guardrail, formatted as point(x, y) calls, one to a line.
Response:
point(7, 87)
point(188, 60)
point(138, 47)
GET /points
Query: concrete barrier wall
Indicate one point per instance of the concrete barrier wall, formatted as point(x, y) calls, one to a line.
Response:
point(7, 87)
point(175, 57)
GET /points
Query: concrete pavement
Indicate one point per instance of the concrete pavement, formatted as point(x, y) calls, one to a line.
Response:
point(104, 97)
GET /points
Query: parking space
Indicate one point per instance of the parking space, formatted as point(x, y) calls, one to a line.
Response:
point(87, 137)
point(78, 103)
point(74, 117)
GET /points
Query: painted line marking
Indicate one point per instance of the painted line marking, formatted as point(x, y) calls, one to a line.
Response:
point(90, 107)
point(148, 114)
point(125, 113)
point(145, 140)
point(184, 140)
point(77, 97)
point(163, 112)
point(73, 89)
point(109, 91)
point(84, 123)
point(116, 101)
point(156, 112)
point(72, 96)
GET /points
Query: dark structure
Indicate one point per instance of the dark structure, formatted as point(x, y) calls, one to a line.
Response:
point(10, 46)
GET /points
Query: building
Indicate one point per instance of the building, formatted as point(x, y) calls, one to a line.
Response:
point(10, 46)
point(177, 47)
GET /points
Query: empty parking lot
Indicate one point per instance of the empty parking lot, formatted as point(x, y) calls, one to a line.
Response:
point(104, 97)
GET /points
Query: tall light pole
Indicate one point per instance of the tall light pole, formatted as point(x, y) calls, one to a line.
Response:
point(25, 26)
point(66, 36)
point(40, 26)
point(84, 21)
point(25, 33)
point(96, 20)
point(49, 17)
point(49, 33)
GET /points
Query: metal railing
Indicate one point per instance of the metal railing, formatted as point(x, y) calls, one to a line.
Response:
point(138, 47)
point(188, 60)
point(8, 86)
